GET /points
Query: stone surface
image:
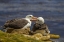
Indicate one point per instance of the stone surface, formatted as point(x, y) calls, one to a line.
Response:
point(54, 36)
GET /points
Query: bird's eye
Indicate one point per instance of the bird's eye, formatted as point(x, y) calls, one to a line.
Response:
point(29, 16)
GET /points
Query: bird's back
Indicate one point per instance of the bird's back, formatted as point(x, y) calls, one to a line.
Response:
point(16, 23)
point(37, 26)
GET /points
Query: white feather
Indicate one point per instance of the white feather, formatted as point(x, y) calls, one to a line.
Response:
point(28, 24)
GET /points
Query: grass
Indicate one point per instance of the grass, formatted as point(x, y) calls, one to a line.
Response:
point(8, 37)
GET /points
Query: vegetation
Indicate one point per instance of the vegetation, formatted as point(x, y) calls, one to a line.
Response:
point(15, 37)
point(8, 37)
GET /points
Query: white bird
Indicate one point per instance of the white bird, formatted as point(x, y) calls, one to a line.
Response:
point(39, 26)
point(20, 23)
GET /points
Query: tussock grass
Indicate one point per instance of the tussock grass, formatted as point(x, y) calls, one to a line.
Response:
point(8, 37)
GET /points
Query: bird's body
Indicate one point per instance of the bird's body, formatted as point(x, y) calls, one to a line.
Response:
point(40, 27)
point(19, 23)
point(16, 23)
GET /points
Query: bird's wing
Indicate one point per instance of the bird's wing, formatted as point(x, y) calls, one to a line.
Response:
point(8, 22)
point(20, 23)
point(35, 27)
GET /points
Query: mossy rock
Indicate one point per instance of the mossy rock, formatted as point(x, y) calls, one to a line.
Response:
point(39, 36)
point(15, 37)
point(8, 37)
point(54, 36)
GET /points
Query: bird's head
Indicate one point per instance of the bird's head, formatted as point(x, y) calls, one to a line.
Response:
point(40, 20)
point(31, 17)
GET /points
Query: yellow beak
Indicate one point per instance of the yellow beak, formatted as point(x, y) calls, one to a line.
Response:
point(34, 18)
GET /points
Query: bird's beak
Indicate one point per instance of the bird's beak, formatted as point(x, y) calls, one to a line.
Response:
point(34, 18)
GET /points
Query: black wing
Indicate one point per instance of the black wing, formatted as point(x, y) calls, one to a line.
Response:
point(36, 26)
point(16, 23)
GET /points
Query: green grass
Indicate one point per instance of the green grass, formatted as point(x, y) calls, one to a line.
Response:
point(8, 37)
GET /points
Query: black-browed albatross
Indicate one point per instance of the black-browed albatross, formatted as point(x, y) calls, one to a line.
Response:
point(20, 23)
point(40, 27)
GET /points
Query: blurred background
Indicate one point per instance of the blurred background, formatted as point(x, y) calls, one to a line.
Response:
point(51, 10)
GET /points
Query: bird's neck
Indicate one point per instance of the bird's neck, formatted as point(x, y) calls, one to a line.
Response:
point(28, 20)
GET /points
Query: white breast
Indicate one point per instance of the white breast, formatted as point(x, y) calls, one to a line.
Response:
point(28, 24)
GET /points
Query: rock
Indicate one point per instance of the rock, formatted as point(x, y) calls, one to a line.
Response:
point(38, 36)
point(46, 38)
point(54, 36)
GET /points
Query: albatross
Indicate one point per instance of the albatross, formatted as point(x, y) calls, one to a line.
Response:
point(20, 23)
point(40, 27)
